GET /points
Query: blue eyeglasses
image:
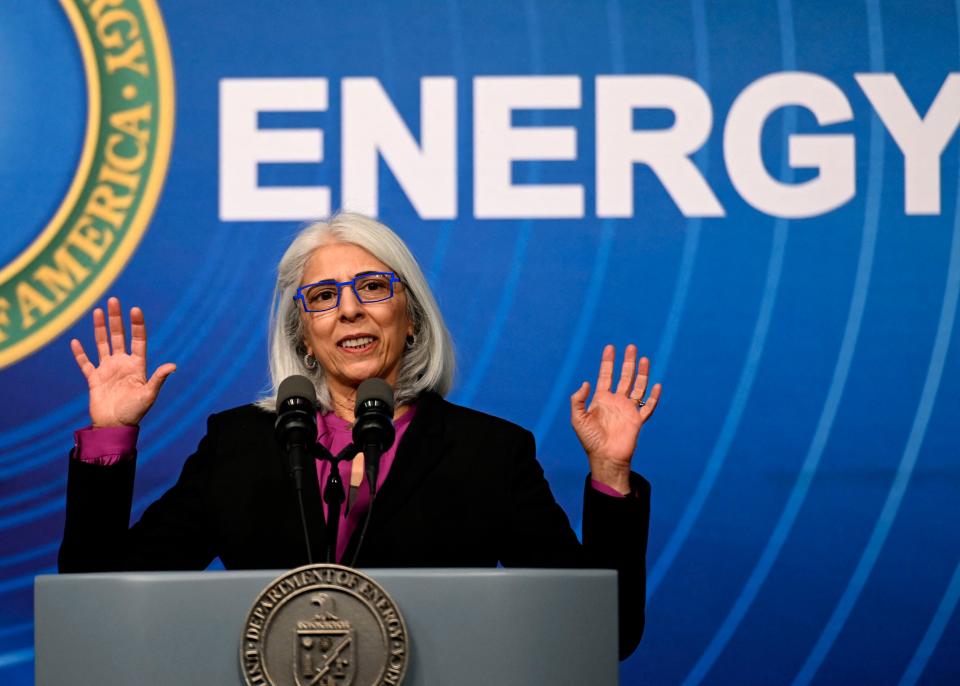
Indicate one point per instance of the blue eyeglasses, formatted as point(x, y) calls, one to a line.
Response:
point(370, 287)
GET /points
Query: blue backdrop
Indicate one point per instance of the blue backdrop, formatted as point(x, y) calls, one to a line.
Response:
point(804, 456)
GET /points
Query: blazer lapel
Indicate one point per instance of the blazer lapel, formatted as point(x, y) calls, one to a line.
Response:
point(276, 477)
point(313, 511)
point(419, 452)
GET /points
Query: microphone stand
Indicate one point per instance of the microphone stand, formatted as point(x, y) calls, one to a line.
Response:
point(372, 468)
point(333, 495)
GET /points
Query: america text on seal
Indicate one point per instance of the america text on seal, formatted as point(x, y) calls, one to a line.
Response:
point(70, 262)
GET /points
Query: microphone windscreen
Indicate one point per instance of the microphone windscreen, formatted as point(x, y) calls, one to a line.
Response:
point(296, 386)
point(375, 389)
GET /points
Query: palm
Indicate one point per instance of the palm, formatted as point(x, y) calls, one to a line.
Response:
point(120, 392)
point(609, 427)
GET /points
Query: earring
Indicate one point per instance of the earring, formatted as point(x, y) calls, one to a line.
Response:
point(411, 340)
point(310, 362)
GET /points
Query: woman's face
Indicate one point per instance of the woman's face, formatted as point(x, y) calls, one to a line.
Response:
point(355, 341)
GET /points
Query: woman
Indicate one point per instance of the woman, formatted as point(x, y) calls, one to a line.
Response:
point(458, 488)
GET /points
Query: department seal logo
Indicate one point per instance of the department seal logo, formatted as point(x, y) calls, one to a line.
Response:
point(126, 149)
point(324, 625)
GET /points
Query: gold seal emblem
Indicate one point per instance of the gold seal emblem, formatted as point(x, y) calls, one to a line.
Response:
point(126, 148)
point(324, 625)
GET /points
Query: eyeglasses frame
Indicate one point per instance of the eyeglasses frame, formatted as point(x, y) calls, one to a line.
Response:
point(340, 285)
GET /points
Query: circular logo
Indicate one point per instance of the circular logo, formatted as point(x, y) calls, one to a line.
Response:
point(126, 148)
point(324, 625)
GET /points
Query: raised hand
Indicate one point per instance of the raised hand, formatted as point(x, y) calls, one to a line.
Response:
point(120, 393)
point(608, 429)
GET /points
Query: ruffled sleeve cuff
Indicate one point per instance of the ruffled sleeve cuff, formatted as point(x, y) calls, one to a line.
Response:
point(106, 446)
point(614, 493)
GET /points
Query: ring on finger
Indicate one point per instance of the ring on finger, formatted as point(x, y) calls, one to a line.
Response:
point(640, 403)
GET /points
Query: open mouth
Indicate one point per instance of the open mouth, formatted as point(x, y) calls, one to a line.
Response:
point(356, 343)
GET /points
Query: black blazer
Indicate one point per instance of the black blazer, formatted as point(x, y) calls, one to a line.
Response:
point(465, 490)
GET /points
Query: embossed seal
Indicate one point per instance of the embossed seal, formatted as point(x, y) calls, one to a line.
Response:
point(324, 625)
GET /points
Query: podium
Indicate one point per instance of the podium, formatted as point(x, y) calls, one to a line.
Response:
point(465, 627)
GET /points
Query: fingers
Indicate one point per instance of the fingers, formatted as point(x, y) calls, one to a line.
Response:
point(163, 371)
point(605, 377)
point(578, 403)
point(100, 334)
point(115, 323)
point(626, 371)
point(643, 377)
point(647, 410)
point(138, 333)
point(86, 366)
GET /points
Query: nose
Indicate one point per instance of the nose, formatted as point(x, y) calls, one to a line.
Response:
point(350, 306)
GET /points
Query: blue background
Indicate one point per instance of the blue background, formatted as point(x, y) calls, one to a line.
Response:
point(804, 457)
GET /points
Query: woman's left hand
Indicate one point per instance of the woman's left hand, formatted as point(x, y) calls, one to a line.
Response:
point(608, 429)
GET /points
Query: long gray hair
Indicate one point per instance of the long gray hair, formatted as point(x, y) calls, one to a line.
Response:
point(427, 363)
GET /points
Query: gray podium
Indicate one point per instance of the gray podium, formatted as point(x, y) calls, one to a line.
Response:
point(466, 627)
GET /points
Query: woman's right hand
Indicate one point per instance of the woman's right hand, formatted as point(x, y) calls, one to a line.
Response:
point(120, 393)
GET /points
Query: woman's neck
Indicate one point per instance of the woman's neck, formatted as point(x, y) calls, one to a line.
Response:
point(344, 404)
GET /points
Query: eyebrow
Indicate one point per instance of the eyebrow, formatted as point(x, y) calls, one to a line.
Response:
point(363, 273)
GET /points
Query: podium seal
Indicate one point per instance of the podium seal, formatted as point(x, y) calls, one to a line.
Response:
point(324, 625)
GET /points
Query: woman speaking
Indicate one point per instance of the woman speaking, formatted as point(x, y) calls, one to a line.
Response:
point(457, 488)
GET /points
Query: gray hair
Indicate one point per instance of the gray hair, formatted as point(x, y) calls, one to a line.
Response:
point(427, 363)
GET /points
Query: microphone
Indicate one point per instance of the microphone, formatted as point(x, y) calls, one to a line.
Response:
point(296, 432)
point(296, 426)
point(373, 433)
point(373, 430)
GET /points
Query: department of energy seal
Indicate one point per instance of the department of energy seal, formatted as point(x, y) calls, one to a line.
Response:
point(324, 625)
point(71, 261)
